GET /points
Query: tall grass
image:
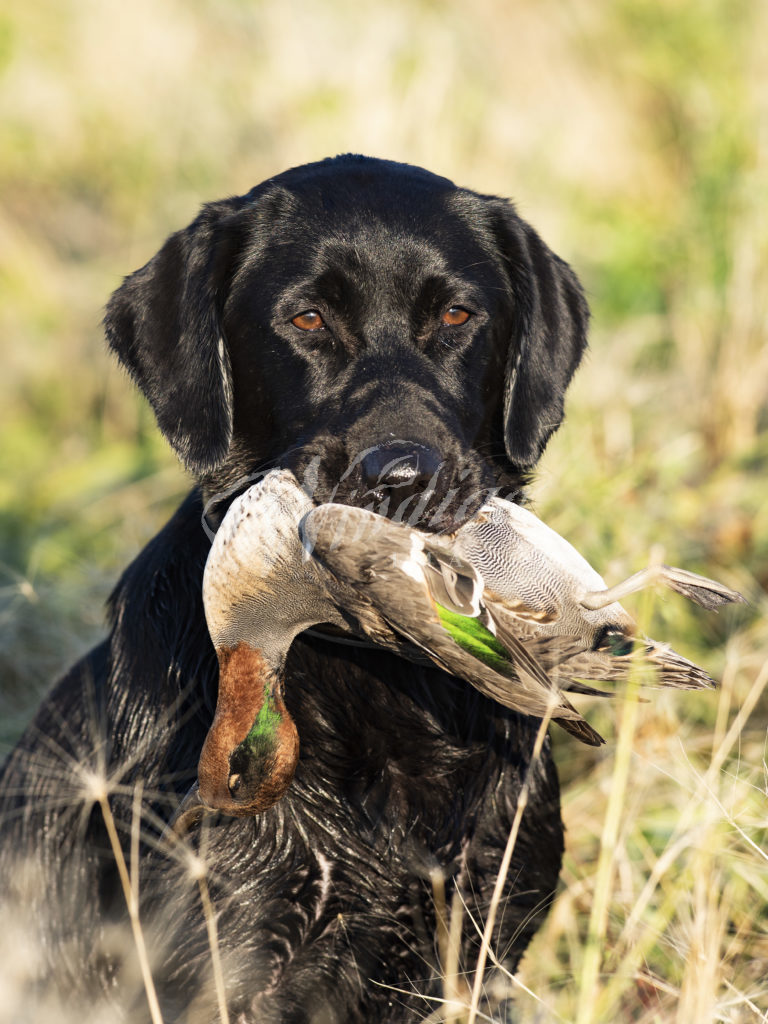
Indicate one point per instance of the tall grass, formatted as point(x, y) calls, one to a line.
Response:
point(662, 915)
point(633, 135)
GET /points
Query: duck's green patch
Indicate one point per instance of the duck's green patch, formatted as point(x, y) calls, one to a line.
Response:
point(474, 638)
point(265, 725)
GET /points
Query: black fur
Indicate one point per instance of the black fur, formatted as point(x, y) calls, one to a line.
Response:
point(324, 903)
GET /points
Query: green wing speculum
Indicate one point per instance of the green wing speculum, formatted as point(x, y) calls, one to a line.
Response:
point(472, 636)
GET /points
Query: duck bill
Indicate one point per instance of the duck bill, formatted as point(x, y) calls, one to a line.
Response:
point(231, 777)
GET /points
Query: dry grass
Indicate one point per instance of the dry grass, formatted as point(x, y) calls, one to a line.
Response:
point(671, 866)
point(662, 917)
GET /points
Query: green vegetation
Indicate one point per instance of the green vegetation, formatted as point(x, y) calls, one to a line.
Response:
point(633, 134)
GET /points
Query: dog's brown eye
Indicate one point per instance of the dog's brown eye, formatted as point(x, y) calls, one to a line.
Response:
point(310, 320)
point(456, 316)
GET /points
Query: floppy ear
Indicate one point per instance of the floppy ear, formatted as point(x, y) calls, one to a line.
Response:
point(163, 323)
point(551, 316)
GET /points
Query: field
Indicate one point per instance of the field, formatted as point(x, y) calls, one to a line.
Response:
point(634, 136)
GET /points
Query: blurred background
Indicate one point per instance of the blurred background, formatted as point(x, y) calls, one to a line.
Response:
point(633, 134)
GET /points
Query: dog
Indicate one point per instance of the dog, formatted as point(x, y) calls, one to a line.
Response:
point(395, 341)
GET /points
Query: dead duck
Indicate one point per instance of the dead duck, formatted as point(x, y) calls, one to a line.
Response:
point(262, 587)
point(506, 581)
point(502, 603)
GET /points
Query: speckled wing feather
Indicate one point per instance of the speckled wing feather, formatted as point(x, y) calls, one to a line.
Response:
point(537, 583)
point(534, 575)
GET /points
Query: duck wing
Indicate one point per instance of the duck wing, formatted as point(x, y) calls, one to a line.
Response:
point(387, 564)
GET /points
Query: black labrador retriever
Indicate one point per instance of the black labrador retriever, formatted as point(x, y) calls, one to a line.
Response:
point(396, 341)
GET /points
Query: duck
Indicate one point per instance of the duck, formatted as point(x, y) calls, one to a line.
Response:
point(503, 602)
point(262, 587)
point(535, 588)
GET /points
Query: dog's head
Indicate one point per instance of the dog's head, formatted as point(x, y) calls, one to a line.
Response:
point(395, 340)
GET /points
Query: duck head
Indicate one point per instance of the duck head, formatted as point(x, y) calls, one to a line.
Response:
point(259, 592)
point(252, 748)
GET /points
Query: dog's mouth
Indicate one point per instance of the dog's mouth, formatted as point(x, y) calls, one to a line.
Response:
point(403, 480)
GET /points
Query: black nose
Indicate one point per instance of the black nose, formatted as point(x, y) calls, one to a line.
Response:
point(404, 466)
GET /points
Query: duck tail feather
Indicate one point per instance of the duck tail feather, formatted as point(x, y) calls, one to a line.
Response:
point(582, 730)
